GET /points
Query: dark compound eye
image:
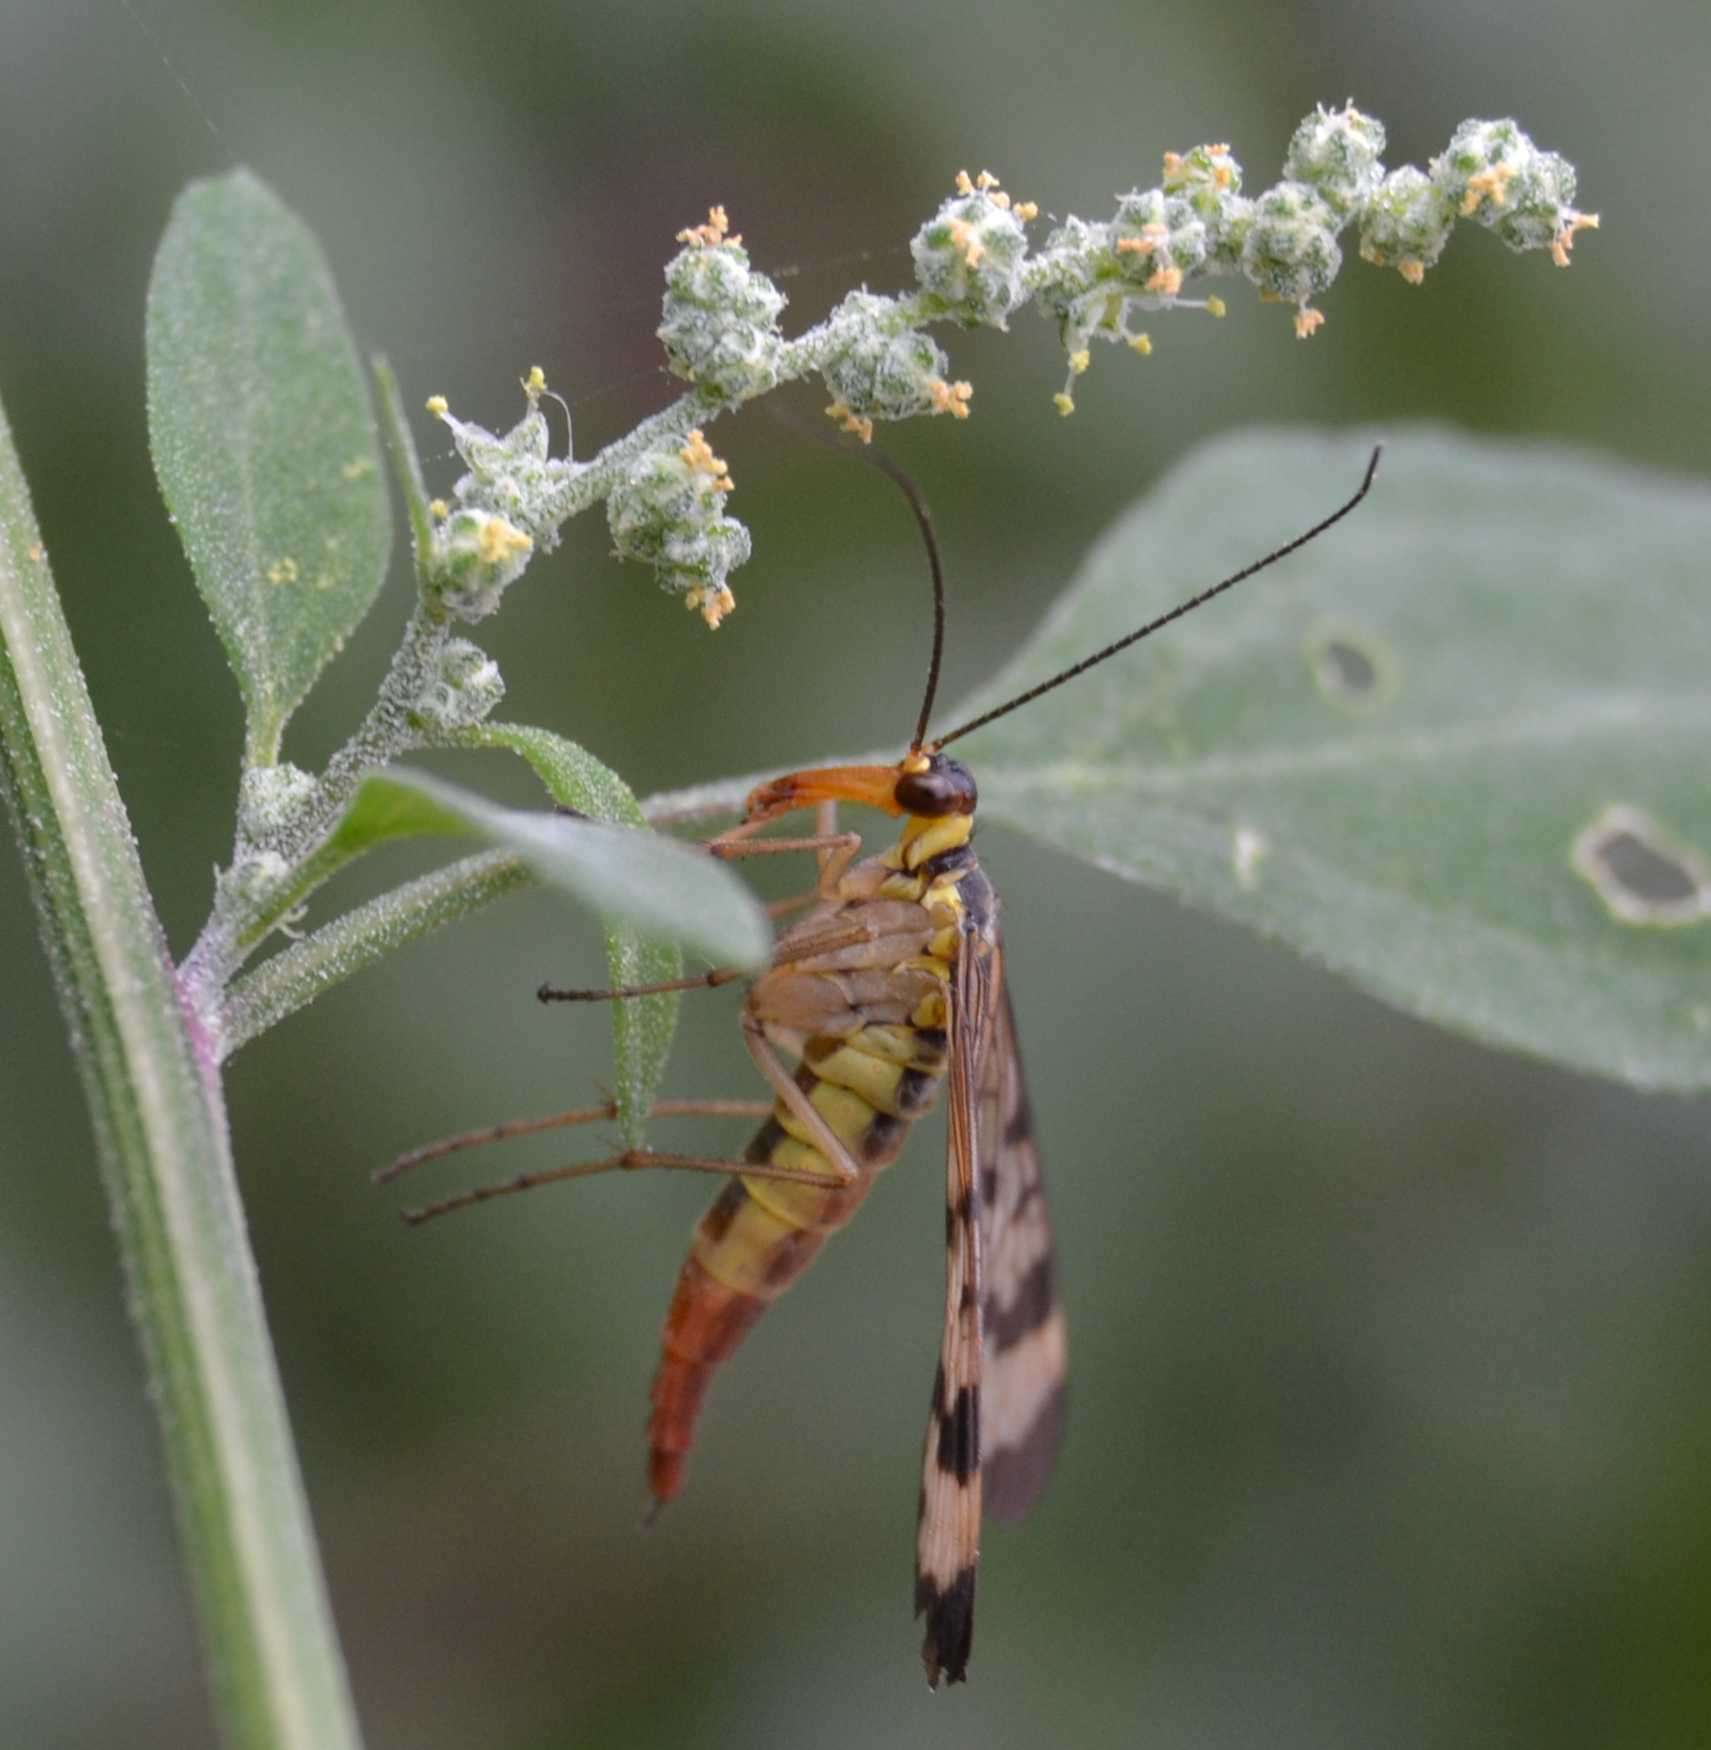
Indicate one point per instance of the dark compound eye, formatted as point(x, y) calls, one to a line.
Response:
point(946, 787)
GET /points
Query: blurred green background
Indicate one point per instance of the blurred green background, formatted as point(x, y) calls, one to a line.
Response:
point(1392, 1374)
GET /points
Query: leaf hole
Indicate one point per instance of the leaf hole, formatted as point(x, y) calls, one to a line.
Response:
point(1351, 668)
point(1641, 874)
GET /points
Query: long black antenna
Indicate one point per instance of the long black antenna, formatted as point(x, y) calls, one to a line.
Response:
point(924, 521)
point(1152, 626)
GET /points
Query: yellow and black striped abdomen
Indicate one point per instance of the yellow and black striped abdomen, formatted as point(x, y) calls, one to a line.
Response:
point(761, 1234)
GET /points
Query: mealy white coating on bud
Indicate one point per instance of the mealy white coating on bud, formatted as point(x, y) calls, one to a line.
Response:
point(969, 256)
point(1496, 176)
point(1406, 223)
point(465, 687)
point(255, 876)
point(669, 512)
point(1337, 152)
point(1093, 277)
point(270, 796)
point(1210, 181)
point(1158, 241)
point(1290, 251)
point(720, 327)
point(476, 557)
point(876, 365)
point(974, 267)
point(514, 476)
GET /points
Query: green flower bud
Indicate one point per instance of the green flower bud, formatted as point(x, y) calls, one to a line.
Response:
point(1496, 176)
point(1210, 181)
point(514, 477)
point(465, 688)
point(1406, 223)
point(1336, 153)
point(476, 557)
point(721, 328)
point(256, 876)
point(269, 797)
point(877, 366)
point(1290, 251)
point(969, 256)
point(1157, 240)
point(669, 512)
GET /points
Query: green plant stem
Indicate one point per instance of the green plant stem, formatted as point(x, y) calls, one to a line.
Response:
point(237, 923)
point(160, 1130)
point(294, 977)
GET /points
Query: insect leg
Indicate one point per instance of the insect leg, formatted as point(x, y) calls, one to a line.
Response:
point(833, 1150)
point(825, 827)
point(803, 948)
point(632, 1160)
point(484, 1134)
point(835, 850)
point(618, 993)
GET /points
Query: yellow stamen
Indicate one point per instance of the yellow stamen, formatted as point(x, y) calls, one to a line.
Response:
point(438, 406)
point(1563, 242)
point(1079, 361)
point(715, 605)
point(1492, 184)
point(1063, 404)
point(698, 453)
point(499, 541)
point(713, 233)
point(536, 381)
point(858, 425)
point(963, 238)
point(438, 509)
point(1216, 306)
point(951, 398)
point(1141, 344)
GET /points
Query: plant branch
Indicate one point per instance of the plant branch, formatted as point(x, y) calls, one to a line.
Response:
point(293, 978)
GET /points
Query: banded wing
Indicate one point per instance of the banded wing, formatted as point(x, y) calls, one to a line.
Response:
point(1026, 1352)
point(947, 1537)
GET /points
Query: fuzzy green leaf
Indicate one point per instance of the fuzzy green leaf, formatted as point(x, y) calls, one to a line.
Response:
point(1455, 749)
point(263, 441)
point(631, 873)
point(382, 811)
point(642, 1030)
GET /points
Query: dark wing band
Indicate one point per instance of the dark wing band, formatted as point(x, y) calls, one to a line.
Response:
point(947, 1538)
point(1026, 1353)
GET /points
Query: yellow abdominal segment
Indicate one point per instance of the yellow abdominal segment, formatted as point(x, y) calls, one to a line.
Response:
point(868, 1087)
